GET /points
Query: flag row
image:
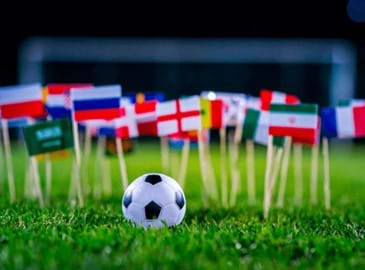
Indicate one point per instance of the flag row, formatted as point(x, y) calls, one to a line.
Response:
point(104, 111)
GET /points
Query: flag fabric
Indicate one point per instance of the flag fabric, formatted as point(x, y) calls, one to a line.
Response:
point(177, 116)
point(105, 128)
point(58, 99)
point(141, 115)
point(256, 128)
point(269, 97)
point(234, 106)
point(351, 102)
point(21, 101)
point(177, 141)
point(102, 102)
point(297, 121)
point(48, 136)
point(343, 122)
point(212, 112)
point(140, 97)
point(145, 113)
point(253, 103)
point(126, 124)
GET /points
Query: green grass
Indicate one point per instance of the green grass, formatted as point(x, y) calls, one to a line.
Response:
point(97, 236)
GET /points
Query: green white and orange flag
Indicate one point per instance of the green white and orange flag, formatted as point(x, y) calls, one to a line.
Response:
point(301, 122)
point(212, 112)
point(256, 128)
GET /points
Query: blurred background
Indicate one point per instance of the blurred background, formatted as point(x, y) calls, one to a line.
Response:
point(315, 49)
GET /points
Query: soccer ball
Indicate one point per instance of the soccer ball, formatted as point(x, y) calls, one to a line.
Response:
point(154, 200)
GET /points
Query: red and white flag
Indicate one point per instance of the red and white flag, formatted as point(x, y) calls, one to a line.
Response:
point(177, 116)
point(126, 124)
point(22, 101)
point(146, 118)
point(274, 97)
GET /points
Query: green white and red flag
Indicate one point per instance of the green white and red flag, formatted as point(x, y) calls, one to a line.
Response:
point(301, 122)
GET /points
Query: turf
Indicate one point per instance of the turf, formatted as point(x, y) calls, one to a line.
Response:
point(97, 237)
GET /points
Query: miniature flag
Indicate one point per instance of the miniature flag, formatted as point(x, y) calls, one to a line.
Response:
point(106, 128)
point(212, 113)
point(146, 118)
point(48, 136)
point(253, 103)
point(126, 124)
point(177, 141)
point(58, 99)
point(177, 116)
point(274, 97)
point(102, 102)
point(234, 106)
point(22, 101)
point(351, 102)
point(146, 96)
point(256, 128)
point(297, 121)
point(343, 122)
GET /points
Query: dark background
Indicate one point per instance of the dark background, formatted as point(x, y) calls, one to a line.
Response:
point(249, 19)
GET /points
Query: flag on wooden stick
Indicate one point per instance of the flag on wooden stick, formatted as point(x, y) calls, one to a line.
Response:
point(269, 97)
point(102, 102)
point(256, 128)
point(297, 121)
point(48, 136)
point(16, 102)
point(146, 118)
point(212, 112)
point(177, 116)
point(58, 99)
point(21, 101)
point(343, 122)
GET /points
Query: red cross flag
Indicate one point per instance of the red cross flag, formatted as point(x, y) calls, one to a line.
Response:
point(177, 116)
point(126, 124)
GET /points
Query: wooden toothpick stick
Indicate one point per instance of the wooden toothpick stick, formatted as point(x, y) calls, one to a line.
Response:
point(223, 166)
point(298, 174)
point(122, 164)
point(284, 172)
point(269, 158)
point(184, 162)
point(327, 175)
point(9, 162)
point(164, 141)
point(250, 169)
point(314, 175)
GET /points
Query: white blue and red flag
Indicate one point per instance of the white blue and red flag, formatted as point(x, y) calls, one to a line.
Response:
point(343, 122)
point(102, 102)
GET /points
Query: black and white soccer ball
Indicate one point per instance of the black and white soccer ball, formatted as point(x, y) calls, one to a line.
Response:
point(154, 200)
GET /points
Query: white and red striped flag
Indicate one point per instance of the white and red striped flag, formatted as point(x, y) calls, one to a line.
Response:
point(269, 97)
point(177, 116)
point(301, 122)
point(22, 101)
point(146, 118)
